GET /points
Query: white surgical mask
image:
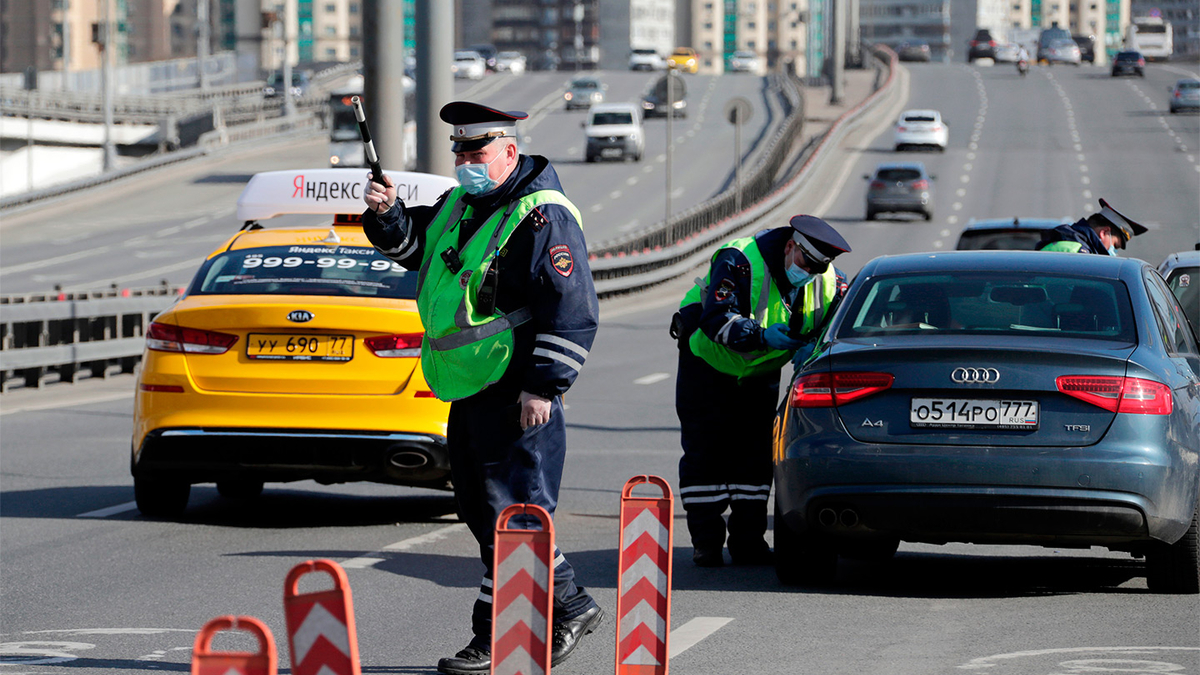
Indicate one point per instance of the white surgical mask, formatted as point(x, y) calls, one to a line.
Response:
point(474, 177)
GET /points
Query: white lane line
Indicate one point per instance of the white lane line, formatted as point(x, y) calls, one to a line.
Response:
point(195, 223)
point(691, 633)
point(652, 378)
point(54, 261)
point(364, 562)
point(104, 513)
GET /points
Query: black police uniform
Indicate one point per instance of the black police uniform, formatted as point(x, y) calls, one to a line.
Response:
point(544, 266)
point(1082, 232)
point(725, 421)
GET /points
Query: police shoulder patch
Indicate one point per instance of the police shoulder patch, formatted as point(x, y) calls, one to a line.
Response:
point(560, 258)
point(725, 290)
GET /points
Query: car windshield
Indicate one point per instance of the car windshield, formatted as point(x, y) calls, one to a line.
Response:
point(1185, 284)
point(995, 303)
point(305, 270)
point(466, 56)
point(644, 52)
point(1189, 84)
point(605, 118)
point(585, 84)
point(897, 174)
point(992, 240)
point(1128, 56)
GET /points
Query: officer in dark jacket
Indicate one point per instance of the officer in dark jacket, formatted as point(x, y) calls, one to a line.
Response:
point(765, 297)
point(510, 312)
point(1101, 233)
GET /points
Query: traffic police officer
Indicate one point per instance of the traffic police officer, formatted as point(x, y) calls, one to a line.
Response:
point(510, 312)
point(1102, 233)
point(765, 297)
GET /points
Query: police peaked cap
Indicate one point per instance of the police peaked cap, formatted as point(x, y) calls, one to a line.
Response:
point(474, 125)
point(1109, 216)
point(820, 235)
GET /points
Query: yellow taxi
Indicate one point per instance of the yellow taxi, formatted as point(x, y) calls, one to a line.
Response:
point(684, 59)
point(292, 355)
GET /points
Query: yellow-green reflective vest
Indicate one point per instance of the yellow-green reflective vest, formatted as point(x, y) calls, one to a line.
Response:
point(1063, 246)
point(465, 351)
point(769, 308)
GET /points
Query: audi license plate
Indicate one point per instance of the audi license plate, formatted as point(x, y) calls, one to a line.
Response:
point(288, 347)
point(958, 413)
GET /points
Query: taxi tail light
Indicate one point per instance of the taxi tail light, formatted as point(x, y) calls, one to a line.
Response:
point(403, 345)
point(826, 390)
point(1119, 394)
point(165, 338)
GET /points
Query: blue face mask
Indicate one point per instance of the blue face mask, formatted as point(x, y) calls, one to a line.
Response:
point(474, 177)
point(1112, 250)
point(798, 276)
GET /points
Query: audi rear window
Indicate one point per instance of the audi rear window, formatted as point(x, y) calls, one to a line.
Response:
point(996, 303)
point(348, 271)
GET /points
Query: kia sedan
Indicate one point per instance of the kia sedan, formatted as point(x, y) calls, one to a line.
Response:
point(999, 398)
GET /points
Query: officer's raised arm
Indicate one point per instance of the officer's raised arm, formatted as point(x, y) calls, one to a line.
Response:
point(397, 230)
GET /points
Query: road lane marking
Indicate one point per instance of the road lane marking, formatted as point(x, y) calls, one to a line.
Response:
point(439, 534)
point(66, 403)
point(186, 264)
point(112, 510)
point(691, 633)
point(54, 261)
point(652, 378)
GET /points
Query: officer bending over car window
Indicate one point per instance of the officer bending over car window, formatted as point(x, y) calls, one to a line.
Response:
point(1101, 233)
point(510, 312)
point(765, 297)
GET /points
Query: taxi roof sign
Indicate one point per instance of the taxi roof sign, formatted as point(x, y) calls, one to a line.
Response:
point(329, 192)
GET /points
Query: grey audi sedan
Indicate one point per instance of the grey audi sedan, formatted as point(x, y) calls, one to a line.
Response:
point(995, 397)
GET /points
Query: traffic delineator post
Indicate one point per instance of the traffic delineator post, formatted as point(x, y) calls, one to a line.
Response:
point(523, 594)
point(207, 662)
point(644, 586)
point(320, 625)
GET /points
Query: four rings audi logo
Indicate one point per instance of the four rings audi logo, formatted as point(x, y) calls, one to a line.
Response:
point(975, 375)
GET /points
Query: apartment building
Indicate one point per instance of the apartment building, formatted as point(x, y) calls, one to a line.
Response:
point(634, 24)
point(892, 22)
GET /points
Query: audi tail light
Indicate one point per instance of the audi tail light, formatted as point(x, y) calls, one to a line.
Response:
point(1118, 394)
point(920, 184)
point(877, 185)
point(401, 346)
point(826, 390)
point(162, 337)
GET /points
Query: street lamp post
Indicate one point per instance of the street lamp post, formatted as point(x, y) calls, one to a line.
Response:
point(670, 149)
point(578, 16)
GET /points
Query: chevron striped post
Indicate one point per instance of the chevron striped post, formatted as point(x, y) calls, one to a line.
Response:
point(523, 596)
point(644, 589)
point(320, 625)
point(207, 662)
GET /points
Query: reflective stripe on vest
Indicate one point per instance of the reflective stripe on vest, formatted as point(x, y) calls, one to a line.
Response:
point(1063, 246)
point(769, 308)
point(464, 351)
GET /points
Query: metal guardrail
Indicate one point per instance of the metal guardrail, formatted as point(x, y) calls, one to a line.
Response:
point(67, 336)
point(670, 249)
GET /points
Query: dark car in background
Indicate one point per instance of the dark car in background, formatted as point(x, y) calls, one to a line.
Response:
point(489, 53)
point(666, 96)
point(997, 398)
point(1087, 47)
point(1185, 95)
point(982, 46)
point(1047, 38)
point(1129, 63)
point(1182, 274)
point(900, 187)
point(914, 51)
point(1006, 234)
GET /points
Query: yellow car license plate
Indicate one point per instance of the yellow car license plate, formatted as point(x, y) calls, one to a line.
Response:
point(292, 347)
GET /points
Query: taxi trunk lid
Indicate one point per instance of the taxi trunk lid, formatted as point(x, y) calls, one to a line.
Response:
point(267, 363)
point(926, 371)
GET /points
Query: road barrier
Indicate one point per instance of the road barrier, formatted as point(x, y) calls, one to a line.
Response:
point(670, 249)
point(68, 333)
point(523, 593)
point(644, 585)
point(207, 662)
point(320, 625)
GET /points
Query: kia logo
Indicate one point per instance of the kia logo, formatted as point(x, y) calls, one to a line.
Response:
point(975, 375)
point(299, 316)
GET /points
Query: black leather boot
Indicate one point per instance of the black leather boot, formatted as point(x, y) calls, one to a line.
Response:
point(568, 634)
point(470, 660)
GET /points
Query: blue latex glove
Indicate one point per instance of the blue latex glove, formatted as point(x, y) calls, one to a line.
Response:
point(776, 336)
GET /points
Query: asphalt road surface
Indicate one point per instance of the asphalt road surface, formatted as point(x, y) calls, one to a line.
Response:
point(89, 587)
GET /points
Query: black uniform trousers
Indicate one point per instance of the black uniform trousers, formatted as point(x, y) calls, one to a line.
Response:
point(726, 428)
point(495, 464)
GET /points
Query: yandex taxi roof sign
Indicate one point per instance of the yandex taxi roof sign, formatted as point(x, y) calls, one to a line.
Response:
point(329, 191)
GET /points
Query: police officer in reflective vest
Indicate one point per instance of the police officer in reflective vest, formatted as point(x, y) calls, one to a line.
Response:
point(764, 297)
point(1101, 233)
point(510, 312)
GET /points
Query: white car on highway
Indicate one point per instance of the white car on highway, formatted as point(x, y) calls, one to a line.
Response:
point(921, 128)
point(468, 65)
point(510, 62)
point(746, 62)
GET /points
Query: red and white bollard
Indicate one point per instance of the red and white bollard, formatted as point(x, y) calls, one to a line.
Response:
point(644, 587)
point(523, 594)
point(207, 662)
point(320, 625)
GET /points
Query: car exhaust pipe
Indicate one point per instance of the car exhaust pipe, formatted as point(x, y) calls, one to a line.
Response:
point(408, 459)
point(848, 518)
point(827, 517)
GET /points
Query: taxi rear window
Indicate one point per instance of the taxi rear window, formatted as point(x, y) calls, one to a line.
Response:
point(349, 271)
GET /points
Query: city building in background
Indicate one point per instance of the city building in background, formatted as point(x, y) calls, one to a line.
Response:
point(552, 34)
point(634, 24)
point(894, 22)
point(779, 32)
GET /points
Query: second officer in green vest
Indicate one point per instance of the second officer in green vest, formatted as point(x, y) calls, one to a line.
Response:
point(506, 298)
point(736, 330)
